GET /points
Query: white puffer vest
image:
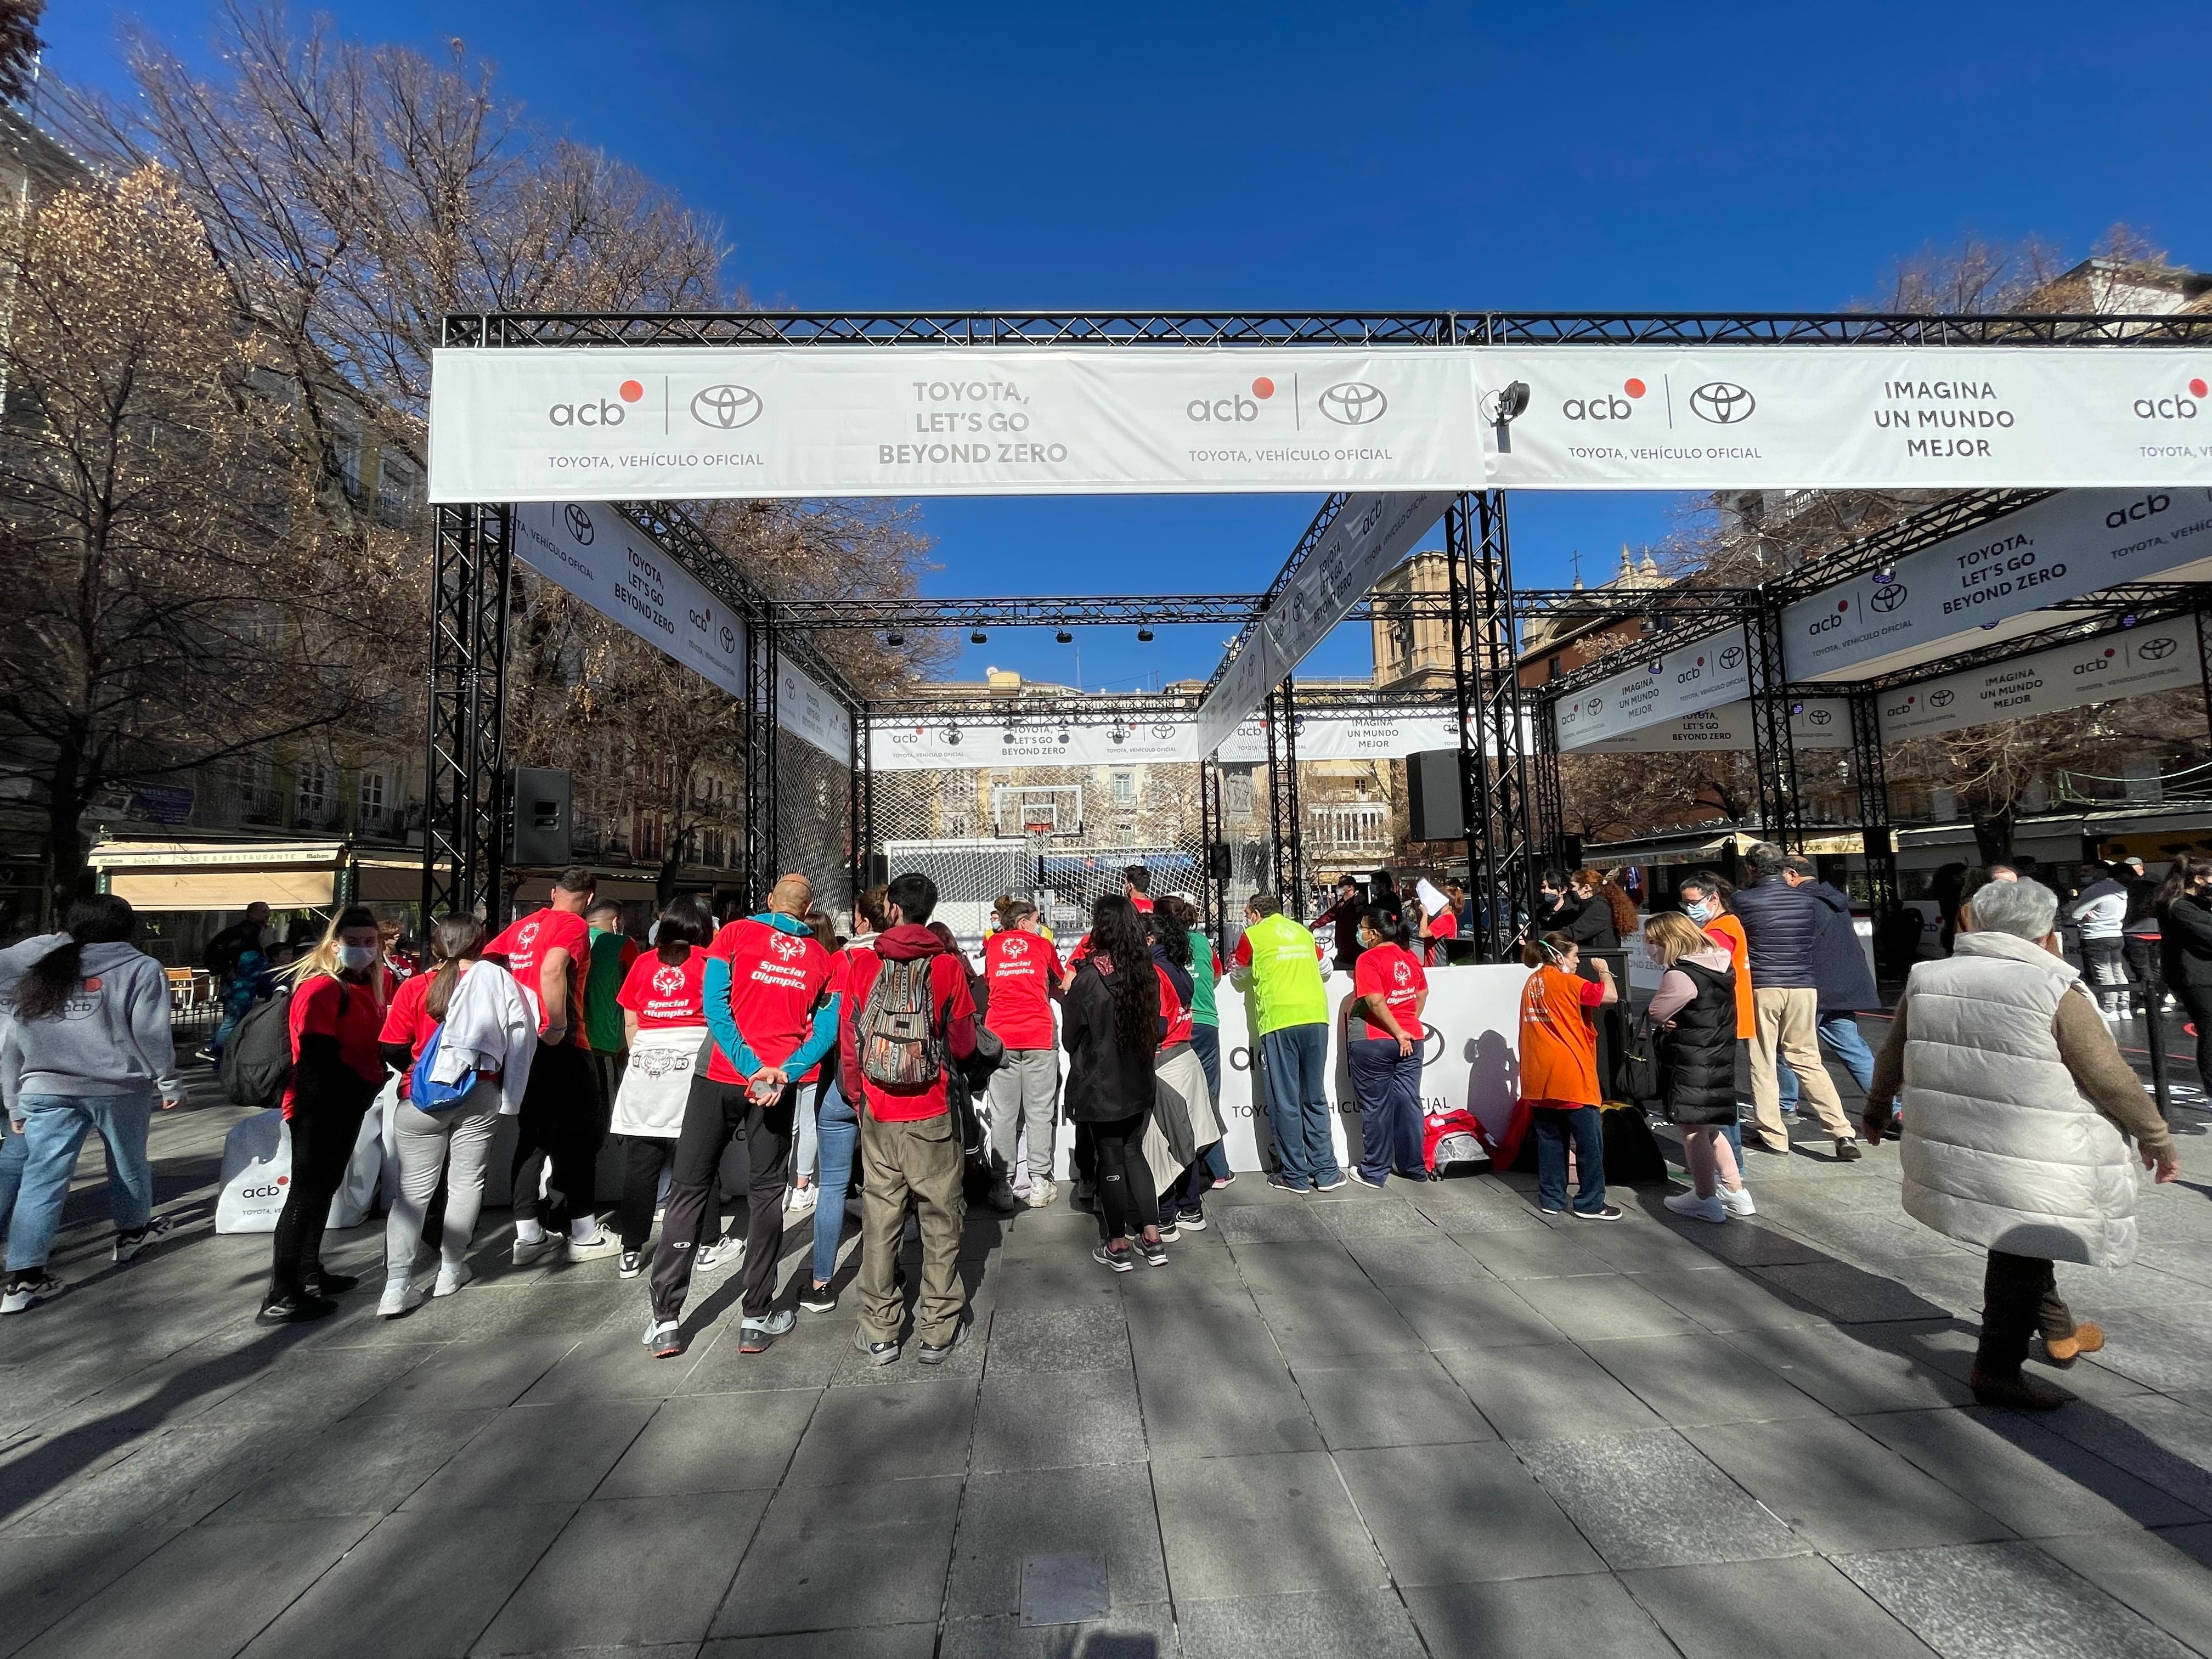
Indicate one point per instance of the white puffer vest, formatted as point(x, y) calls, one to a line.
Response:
point(2000, 1148)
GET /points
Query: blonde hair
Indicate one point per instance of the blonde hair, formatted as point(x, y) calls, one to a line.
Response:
point(1669, 936)
point(322, 959)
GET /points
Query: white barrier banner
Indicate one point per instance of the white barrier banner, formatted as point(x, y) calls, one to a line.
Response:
point(812, 715)
point(1816, 723)
point(1875, 417)
point(604, 560)
point(590, 423)
point(1369, 734)
point(1379, 733)
point(1695, 678)
point(1992, 582)
point(2155, 657)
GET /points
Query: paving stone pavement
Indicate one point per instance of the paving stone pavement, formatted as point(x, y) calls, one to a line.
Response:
point(1428, 1420)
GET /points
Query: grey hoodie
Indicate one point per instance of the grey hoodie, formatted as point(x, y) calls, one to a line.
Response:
point(112, 1037)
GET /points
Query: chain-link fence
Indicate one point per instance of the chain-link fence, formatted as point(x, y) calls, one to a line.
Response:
point(813, 821)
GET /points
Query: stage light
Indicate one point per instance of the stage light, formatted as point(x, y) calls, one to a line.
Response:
point(2128, 621)
point(977, 637)
point(1144, 636)
point(895, 638)
point(1065, 637)
point(1512, 403)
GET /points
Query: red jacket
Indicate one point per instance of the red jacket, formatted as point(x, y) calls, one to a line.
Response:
point(956, 1012)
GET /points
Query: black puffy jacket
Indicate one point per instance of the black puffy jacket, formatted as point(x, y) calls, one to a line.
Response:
point(2187, 941)
point(1697, 1050)
point(1782, 929)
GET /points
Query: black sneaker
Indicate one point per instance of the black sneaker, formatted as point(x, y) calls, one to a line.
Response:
point(128, 1245)
point(1190, 1221)
point(818, 1299)
point(878, 1353)
point(294, 1310)
point(1847, 1151)
point(1329, 1185)
point(324, 1283)
point(29, 1288)
point(631, 1264)
point(1122, 1261)
point(936, 1353)
point(1282, 1186)
point(1154, 1252)
point(1608, 1213)
point(1169, 1231)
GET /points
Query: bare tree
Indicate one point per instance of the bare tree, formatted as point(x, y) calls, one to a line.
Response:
point(20, 46)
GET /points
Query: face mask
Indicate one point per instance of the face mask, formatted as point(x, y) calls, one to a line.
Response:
point(1699, 911)
point(357, 958)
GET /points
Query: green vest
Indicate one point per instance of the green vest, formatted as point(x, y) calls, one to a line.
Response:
point(1202, 1011)
point(1285, 974)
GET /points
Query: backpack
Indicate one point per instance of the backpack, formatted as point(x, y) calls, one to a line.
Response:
point(1452, 1140)
point(424, 1092)
point(899, 1045)
point(257, 1064)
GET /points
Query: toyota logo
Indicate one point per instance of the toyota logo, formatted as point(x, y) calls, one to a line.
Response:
point(1722, 401)
point(1942, 699)
point(1887, 598)
point(729, 640)
point(2155, 649)
point(1732, 656)
point(1819, 716)
point(952, 735)
point(580, 525)
point(725, 406)
point(1355, 403)
point(1432, 1046)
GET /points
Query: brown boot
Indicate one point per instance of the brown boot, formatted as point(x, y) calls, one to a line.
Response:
point(2062, 1351)
point(2022, 1394)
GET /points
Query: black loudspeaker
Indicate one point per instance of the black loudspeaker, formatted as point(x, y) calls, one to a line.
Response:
point(1432, 799)
point(876, 871)
point(1220, 861)
point(541, 817)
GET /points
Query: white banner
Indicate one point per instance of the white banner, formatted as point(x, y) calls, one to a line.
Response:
point(2155, 657)
point(1379, 733)
point(1816, 723)
point(1876, 417)
point(1992, 582)
point(1692, 679)
point(1367, 734)
point(598, 556)
point(571, 424)
point(812, 715)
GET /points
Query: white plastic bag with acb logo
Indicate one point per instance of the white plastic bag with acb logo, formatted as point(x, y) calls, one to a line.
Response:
point(257, 1175)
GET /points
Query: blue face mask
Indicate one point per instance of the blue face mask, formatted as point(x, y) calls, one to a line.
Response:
point(357, 958)
point(1698, 911)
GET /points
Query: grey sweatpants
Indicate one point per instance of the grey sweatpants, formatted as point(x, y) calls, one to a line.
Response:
point(1024, 1089)
point(454, 1143)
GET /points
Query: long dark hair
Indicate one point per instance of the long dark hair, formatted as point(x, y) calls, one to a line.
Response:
point(682, 925)
point(1387, 922)
point(45, 989)
point(2177, 882)
point(456, 938)
point(1170, 937)
point(1117, 935)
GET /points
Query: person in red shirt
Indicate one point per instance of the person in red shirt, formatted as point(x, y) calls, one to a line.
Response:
point(1389, 989)
point(563, 1119)
point(1137, 883)
point(338, 1008)
point(908, 1148)
point(1025, 972)
point(770, 1018)
point(1558, 1074)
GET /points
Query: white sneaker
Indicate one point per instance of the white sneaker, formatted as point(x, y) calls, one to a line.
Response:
point(1737, 1202)
point(29, 1289)
point(727, 1254)
point(1698, 1209)
point(534, 1249)
point(452, 1279)
point(1041, 1191)
point(399, 1299)
point(1002, 1199)
point(800, 1200)
point(598, 1244)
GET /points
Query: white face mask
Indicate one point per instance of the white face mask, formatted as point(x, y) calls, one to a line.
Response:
point(1699, 910)
point(357, 958)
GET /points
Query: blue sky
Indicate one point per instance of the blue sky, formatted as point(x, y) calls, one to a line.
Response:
point(1564, 157)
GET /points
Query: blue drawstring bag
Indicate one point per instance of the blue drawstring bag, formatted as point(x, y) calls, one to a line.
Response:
point(425, 1094)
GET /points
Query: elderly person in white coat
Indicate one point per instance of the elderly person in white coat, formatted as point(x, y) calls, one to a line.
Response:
point(2018, 1109)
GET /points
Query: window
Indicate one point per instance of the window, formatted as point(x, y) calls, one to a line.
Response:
point(1125, 788)
point(398, 489)
point(311, 789)
point(371, 801)
point(256, 785)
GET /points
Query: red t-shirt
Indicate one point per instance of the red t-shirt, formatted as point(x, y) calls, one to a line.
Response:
point(408, 1020)
point(1173, 1010)
point(776, 980)
point(663, 997)
point(526, 944)
point(1021, 969)
point(948, 993)
point(323, 1007)
point(1393, 973)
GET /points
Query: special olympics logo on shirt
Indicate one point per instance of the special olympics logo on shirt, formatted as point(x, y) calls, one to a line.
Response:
point(1403, 973)
point(528, 936)
point(789, 946)
point(1017, 945)
point(668, 982)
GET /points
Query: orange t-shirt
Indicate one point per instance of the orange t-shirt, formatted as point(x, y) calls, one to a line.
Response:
point(1728, 931)
point(1558, 1039)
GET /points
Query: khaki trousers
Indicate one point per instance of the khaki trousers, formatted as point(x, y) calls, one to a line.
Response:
point(920, 1160)
point(1787, 1024)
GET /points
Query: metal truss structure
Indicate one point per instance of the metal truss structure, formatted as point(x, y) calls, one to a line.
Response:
point(464, 796)
point(1494, 768)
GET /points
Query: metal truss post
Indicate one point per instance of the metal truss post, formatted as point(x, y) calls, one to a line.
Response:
point(1872, 779)
point(857, 787)
point(1494, 768)
point(1773, 753)
point(2204, 661)
point(464, 766)
point(1213, 877)
point(1285, 844)
point(760, 757)
point(1551, 804)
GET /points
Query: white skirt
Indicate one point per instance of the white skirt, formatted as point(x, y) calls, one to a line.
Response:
point(658, 1081)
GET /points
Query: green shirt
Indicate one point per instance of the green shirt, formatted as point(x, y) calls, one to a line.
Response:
point(1284, 974)
point(612, 952)
point(1202, 1011)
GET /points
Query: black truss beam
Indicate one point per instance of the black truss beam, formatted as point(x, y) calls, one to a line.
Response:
point(1087, 708)
point(1871, 774)
point(1883, 548)
point(1275, 330)
point(1306, 544)
point(895, 614)
point(464, 783)
point(2185, 597)
point(1494, 770)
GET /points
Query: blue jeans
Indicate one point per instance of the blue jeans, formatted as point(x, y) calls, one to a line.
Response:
point(1206, 1043)
point(1296, 1057)
point(1388, 1085)
point(1840, 1035)
point(1552, 1126)
point(54, 1128)
point(837, 1132)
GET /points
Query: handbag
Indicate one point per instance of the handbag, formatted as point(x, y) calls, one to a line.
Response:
point(1639, 1062)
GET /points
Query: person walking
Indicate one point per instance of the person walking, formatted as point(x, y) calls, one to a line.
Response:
point(1781, 927)
point(2183, 908)
point(2139, 933)
point(1558, 1074)
point(2101, 911)
point(908, 1015)
point(1693, 1015)
point(341, 992)
point(1112, 1026)
point(85, 1046)
point(1843, 979)
point(770, 1020)
point(1024, 973)
point(2017, 1108)
point(489, 1043)
point(838, 1126)
point(1276, 960)
point(562, 1120)
point(663, 1000)
point(1384, 1033)
point(1184, 1125)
